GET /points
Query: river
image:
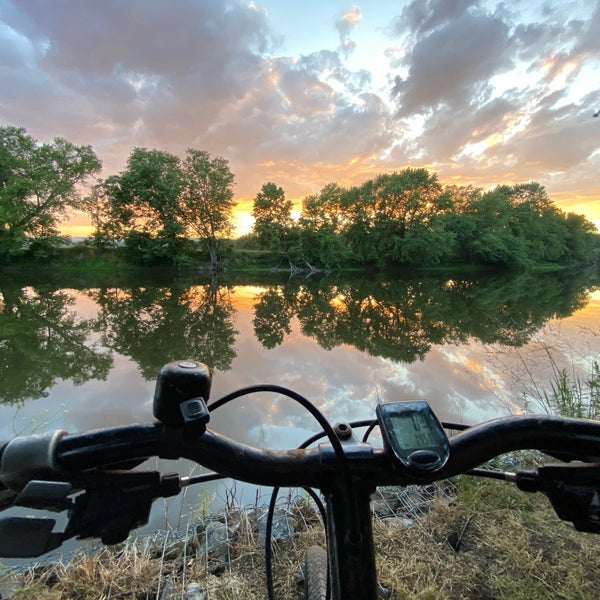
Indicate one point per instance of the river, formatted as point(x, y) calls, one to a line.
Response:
point(81, 355)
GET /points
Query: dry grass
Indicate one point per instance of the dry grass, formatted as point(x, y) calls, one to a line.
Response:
point(495, 543)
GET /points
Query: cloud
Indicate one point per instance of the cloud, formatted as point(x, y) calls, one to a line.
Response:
point(488, 91)
point(498, 94)
point(139, 63)
point(447, 64)
point(422, 17)
point(348, 21)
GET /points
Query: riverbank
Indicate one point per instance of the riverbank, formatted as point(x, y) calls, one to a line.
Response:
point(84, 260)
point(474, 539)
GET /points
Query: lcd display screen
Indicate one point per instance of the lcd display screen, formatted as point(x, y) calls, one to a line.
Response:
point(412, 430)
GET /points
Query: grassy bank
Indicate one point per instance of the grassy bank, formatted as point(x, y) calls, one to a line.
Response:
point(488, 541)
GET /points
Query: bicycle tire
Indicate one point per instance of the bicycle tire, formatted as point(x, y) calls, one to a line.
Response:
point(315, 573)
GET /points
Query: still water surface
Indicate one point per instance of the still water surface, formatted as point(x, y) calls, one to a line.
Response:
point(77, 357)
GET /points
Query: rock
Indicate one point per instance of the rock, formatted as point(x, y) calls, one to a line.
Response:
point(9, 586)
point(194, 591)
point(284, 525)
point(215, 539)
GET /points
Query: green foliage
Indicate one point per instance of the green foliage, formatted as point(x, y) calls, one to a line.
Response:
point(429, 245)
point(321, 224)
point(575, 397)
point(38, 184)
point(159, 200)
point(141, 206)
point(403, 218)
point(401, 319)
point(156, 325)
point(272, 217)
point(206, 204)
point(383, 210)
point(272, 316)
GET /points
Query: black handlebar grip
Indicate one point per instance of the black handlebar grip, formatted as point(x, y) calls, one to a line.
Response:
point(178, 382)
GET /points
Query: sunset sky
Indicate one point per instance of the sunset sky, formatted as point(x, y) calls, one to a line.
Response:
point(304, 93)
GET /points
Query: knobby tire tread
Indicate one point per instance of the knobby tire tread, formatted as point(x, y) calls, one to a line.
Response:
point(315, 573)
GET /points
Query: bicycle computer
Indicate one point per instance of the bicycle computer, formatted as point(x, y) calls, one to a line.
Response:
point(413, 435)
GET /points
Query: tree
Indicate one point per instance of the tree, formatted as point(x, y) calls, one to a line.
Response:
point(581, 235)
point(321, 224)
point(156, 325)
point(272, 217)
point(272, 315)
point(383, 210)
point(141, 204)
point(38, 185)
point(99, 206)
point(45, 341)
point(494, 241)
point(207, 202)
point(536, 221)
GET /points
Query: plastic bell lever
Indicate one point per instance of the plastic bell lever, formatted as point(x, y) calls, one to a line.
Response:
point(181, 393)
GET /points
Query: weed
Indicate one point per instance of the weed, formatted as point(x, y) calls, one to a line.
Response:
point(575, 397)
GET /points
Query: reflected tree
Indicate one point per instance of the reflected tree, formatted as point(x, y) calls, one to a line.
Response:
point(156, 325)
point(272, 315)
point(402, 319)
point(43, 341)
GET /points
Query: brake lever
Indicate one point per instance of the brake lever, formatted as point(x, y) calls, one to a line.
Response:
point(112, 504)
point(573, 491)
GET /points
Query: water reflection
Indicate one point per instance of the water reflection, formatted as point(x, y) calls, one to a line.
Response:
point(402, 319)
point(43, 340)
point(344, 345)
point(155, 325)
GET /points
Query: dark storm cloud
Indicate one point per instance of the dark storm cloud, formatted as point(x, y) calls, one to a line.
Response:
point(445, 65)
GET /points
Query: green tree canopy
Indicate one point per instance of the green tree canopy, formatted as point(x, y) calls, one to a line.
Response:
point(272, 217)
point(159, 200)
point(384, 209)
point(321, 222)
point(141, 205)
point(38, 184)
point(206, 203)
point(156, 325)
point(44, 341)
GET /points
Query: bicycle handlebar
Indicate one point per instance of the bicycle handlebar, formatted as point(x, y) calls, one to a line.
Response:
point(64, 456)
point(41, 471)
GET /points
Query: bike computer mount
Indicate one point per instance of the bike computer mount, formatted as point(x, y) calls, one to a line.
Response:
point(413, 436)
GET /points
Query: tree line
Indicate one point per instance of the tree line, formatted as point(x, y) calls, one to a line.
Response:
point(410, 218)
point(162, 208)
